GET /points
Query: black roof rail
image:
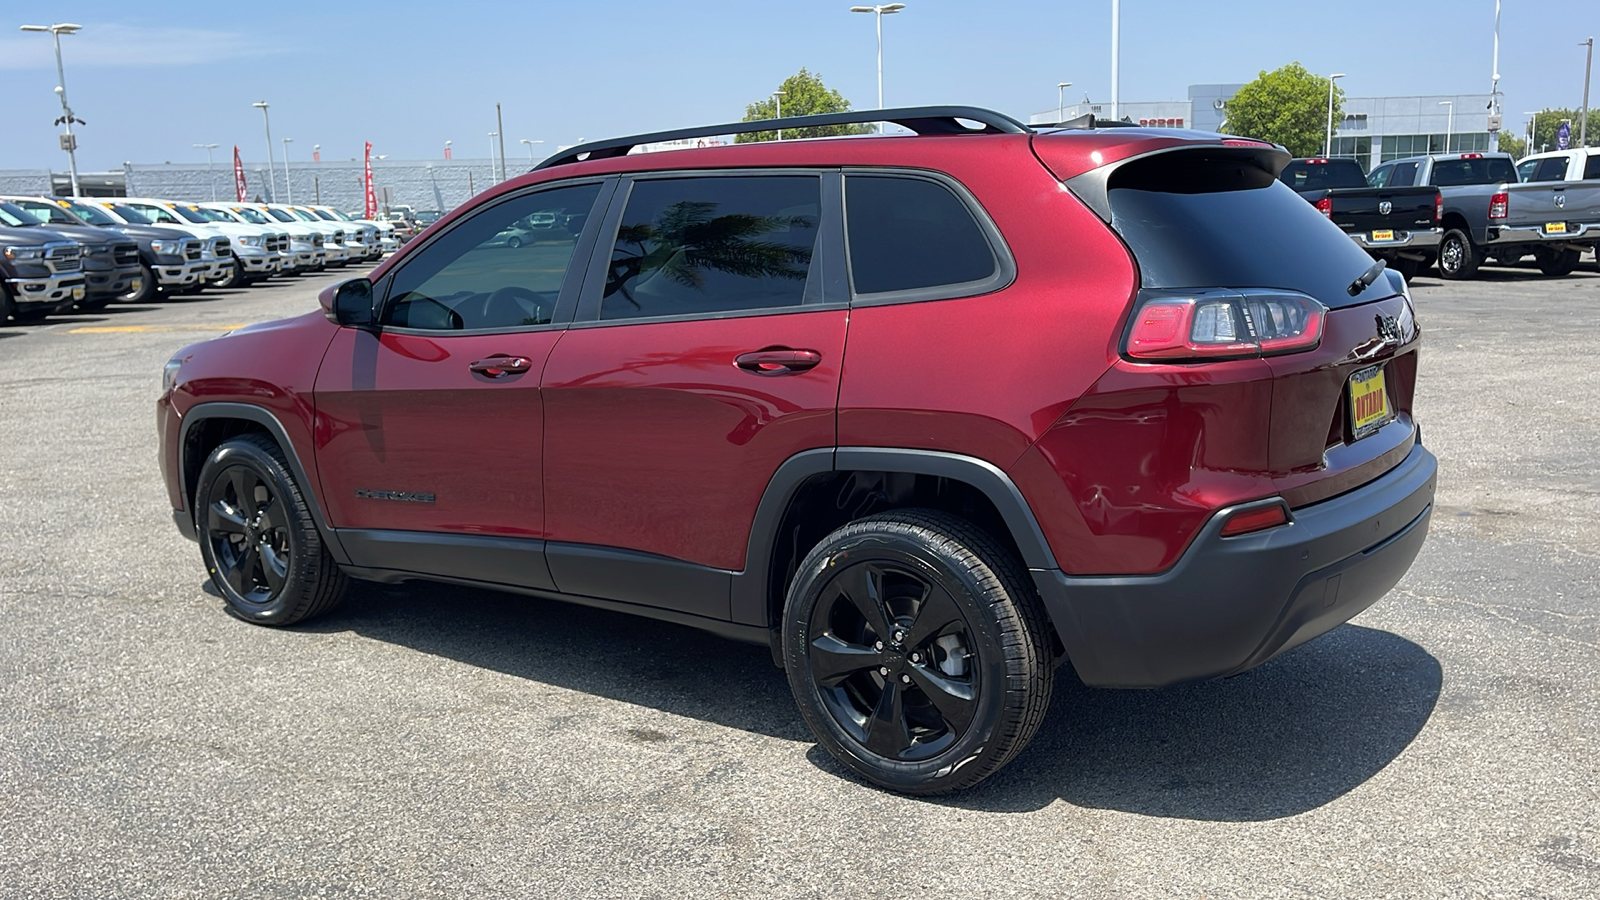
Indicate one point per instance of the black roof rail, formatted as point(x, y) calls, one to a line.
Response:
point(924, 120)
point(1088, 121)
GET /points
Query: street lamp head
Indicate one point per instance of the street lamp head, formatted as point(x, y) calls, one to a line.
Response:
point(261, 104)
point(1063, 85)
point(60, 89)
point(852, 9)
point(1447, 103)
point(61, 28)
point(892, 7)
point(1339, 75)
point(287, 140)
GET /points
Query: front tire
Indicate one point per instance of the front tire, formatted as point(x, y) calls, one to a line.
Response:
point(917, 651)
point(260, 543)
point(1458, 258)
point(149, 287)
point(234, 277)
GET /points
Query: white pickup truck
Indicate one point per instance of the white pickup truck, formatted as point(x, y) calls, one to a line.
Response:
point(370, 233)
point(333, 235)
point(302, 253)
point(254, 247)
point(216, 249)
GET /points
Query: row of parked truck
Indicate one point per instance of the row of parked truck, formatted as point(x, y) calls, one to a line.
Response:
point(1461, 210)
point(82, 253)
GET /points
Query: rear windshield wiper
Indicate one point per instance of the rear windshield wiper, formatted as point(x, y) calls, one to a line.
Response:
point(1366, 279)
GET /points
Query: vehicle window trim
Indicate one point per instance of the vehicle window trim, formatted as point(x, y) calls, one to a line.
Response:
point(827, 264)
point(1005, 270)
point(571, 282)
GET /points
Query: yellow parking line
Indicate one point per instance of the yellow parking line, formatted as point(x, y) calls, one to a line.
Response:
point(125, 329)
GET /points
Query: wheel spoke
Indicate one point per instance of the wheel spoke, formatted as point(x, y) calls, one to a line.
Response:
point(241, 574)
point(955, 701)
point(862, 585)
point(269, 513)
point(833, 660)
point(937, 612)
point(274, 567)
point(887, 734)
point(225, 519)
point(244, 488)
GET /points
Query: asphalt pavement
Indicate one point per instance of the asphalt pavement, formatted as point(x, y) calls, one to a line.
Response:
point(432, 741)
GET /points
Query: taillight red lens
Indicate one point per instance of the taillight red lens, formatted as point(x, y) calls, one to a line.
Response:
point(1498, 204)
point(1438, 207)
point(1325, 206)
point(1224, 325)
point(1250, 520)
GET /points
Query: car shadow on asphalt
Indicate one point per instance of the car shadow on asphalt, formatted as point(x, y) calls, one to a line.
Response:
point(1285, 738)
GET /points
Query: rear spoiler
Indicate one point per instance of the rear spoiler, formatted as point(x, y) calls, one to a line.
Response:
point(1093, 187)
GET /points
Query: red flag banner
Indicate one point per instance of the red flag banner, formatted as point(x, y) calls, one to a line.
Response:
point(372, 198)
point(238, 175)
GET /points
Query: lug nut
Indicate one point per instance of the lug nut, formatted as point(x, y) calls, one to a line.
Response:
point(905, 679)
point(899, 636)
point(916, 657)
point(883, 670)
point(878, 646)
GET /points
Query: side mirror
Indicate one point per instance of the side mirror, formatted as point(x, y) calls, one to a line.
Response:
point(350, 303)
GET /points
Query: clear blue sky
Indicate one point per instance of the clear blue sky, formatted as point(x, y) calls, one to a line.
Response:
point(154, 78)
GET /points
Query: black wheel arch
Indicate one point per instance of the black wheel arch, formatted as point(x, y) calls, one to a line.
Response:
point(208, 425)
point(815, 491)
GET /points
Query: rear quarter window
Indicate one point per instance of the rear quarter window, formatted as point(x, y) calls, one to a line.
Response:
point(913, 237)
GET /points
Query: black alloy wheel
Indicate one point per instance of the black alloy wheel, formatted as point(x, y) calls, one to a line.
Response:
point(259, 541)
point(1458, 258)
point(917, 651)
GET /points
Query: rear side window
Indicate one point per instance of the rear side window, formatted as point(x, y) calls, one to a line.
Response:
point(1482, 170)
point(1197, 220)
point(1405, 175)
point(908, 233)
point(1380, 176)
point(1551, 169)
point(1591, 169)
point(1323, 175)
point(705, 246)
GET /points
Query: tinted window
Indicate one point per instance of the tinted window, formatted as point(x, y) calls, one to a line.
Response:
point(91, 215)
point(1380, 176)
point(1405, 175)
point(1591, 169)
point(1319, 176)
point(1210, 222)
point(908, 233)
point(1491, 170)
point(48, 212)
point(1552, 169)
point(710, 245)
point(131, 215)
point(476, 276)
point(1525, 169)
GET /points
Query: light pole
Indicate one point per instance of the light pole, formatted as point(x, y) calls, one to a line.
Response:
point(208, 148)
point(492, 136)
point(1533, 130)
point(777, 97)
point(530, 149)
point(879, 11)
point(272, 171)
point(1116, 49)
point(1061, 94)
point(1450, 126)
point(1583, 127)
point(1327, 149)
point(69, 143)
point(288, 186)
point(1494, 84)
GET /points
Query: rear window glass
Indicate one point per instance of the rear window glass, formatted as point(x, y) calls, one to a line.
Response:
point(1321, 176)
point(1199, 221)
point(910, 233)
point(1484, 170)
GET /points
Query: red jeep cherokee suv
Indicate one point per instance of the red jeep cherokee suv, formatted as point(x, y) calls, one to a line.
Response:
point(928, 414)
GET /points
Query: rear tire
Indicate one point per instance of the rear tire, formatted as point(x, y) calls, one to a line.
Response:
point(1408, 268)
point(1458, 258)
point(259, 541)
point(1557, 263)
point(952, 618)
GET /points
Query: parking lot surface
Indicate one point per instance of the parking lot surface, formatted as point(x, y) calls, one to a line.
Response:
point(432, 741)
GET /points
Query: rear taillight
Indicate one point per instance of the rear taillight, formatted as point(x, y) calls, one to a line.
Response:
point(1325, 206)
point(1438, 207)
point(1223, 325)
point(1498, 204)
point(1259, 519)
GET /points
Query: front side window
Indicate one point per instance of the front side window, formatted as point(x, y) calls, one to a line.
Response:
point(1380, 176)
point(709, 245)
point(158, 215)
point(912, 233)
point(1525, 169)
point(473, 278)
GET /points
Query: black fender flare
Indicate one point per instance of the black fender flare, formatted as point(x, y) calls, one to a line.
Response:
point(749, 597)
point(218, 409)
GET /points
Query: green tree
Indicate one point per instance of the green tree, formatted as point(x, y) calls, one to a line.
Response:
point(1512, 144)
point(804, 95)
point(1549, 120)
point(1288, 106)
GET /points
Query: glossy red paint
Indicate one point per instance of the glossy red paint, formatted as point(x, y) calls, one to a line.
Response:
point(656, 442)
point(406, 413)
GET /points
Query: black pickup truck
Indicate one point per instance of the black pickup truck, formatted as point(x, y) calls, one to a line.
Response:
point(1399, 225)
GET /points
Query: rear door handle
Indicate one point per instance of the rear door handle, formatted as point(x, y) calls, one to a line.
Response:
point(777, 361)
point(501, 366)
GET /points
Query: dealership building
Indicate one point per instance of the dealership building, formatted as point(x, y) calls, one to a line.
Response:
point(1372, 130)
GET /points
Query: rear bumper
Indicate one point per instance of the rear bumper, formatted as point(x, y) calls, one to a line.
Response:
point(1579, 232)
point(1230, 604)
point(1427, 239)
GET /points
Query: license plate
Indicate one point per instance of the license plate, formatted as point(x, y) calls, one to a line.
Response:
point(1555, 228)
point(1383, 235)
point(77, 293)
point(1369, 402)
